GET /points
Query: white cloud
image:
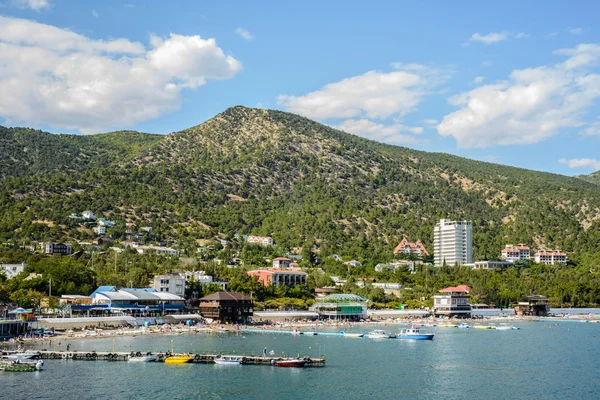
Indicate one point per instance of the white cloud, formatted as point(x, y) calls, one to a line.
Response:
point(534, 104)
point(65, 80)
point(551, 35)
point(95, 13)
point(36, 5)
point(244, 33)
point(592, 130)
point(431, 121)
point(490, 38)
point(380, 132)
point(487, 63)
point(479, 79)
point(590, 163)
point(374, 94)
point(495, 37)
point(575, 31)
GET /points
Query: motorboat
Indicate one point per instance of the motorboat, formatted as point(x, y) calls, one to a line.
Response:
point(353, 335)
point(229, 360)
point(144, 358)
point(290, 363)
point(380, 334)
point(179, 359)
point(24, 356)
point(414, 334)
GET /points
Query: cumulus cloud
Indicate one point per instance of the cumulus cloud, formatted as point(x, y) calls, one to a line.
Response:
point(374, 94)
point(592, 130)
point(66, 80)
point(479, 79)
point(244, 33)
point(531, 105)
point(383, 133)
point(590, 163)
point(36, 5)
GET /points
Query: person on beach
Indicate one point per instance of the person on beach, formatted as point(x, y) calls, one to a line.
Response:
point(265, 352)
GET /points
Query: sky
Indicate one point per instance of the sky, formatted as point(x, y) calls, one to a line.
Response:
point(509, 82)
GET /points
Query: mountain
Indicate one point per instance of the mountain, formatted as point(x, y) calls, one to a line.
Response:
point(265, 172)
point(594, 177)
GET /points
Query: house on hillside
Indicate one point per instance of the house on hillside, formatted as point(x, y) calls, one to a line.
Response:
point(262, 240)
point(58, 248)
point(12, 270)
point(353, 263)
point(278, 277)
point(551, 257)
point(281, 263)
point(415, 248)
point(513, 253)
point(453, 301)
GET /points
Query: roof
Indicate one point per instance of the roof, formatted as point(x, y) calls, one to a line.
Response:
point(550, 253)
point(105, 289)
point(456, 289)
point(520, 246)
point(120, 295)
point(140, 294)
point(275, 270)
point(413, 246)
point(340, 297)
point(221, 296)
point(281, 259)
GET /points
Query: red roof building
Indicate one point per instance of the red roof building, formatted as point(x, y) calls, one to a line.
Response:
point(453, 301)
point(411, 248)
point(516, 253)
point(550, 257)
point(281, 263)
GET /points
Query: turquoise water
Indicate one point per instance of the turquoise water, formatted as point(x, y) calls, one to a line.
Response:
point(542, 360)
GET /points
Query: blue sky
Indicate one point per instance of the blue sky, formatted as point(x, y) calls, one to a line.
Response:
point(510, 82)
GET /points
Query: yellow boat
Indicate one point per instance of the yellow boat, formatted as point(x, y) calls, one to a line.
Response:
point(482, 326)
point(179, 359)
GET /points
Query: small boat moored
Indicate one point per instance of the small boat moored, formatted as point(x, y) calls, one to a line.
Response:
point(229, 360)
point(290, 363)
point(179, 359)
point(379, 334)
point(143, 358)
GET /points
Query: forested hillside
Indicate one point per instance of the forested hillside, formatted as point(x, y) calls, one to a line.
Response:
point(263, 172)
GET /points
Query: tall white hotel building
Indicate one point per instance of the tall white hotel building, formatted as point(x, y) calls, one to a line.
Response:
point(452, 243)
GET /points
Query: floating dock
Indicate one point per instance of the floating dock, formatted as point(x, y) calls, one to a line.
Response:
point(197, 358)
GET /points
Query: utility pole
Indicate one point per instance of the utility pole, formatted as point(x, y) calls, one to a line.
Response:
point(50, 289)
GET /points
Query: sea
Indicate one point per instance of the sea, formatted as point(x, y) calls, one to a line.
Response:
point(542, 360)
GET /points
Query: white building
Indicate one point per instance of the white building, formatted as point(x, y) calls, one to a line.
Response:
point(156, 250)
point(550, 257)
point(490, 264)
point(100, 229)
point(170, 283)
point(12, 270)
point(516, 253)
point(453, 301)
point(452, 242)
point(264, 240)
point(87, 214)
point(353, 263)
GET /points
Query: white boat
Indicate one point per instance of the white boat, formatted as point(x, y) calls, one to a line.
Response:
point(380, 334)
point(353, 335)
point(309, 333)
point(24, 356)
point(145, 358)
point(229, 360)
point(414, 334)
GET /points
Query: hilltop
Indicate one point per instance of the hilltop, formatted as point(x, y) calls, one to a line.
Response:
point(274, 173)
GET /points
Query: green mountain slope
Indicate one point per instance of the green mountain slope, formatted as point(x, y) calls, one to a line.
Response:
point(275, 173)
point(594, 177)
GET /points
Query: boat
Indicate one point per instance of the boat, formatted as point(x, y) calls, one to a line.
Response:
point(380, 334)
point(463, 326)
point(15, 366)
point(144, 358)
point(447, 325)
point(24, 356)
point(229, 360)
point(179, 359)
point(482, 326)
point(414, 334)
point(354, 335)
point(309, 333)
point(290, 363)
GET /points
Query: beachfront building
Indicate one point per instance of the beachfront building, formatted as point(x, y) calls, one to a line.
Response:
point(227, 307)
point(533, 305)
point(550, 257)
point(452, 242)
point(278, 277)
point(262, 240)
point(453, 301)
point(490, 264)
point(342, 306)
point(281, 263)
point(513, 253)
point(170, 283)
point(415, 248)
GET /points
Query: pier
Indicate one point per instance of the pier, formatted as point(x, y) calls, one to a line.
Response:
point(197, 358)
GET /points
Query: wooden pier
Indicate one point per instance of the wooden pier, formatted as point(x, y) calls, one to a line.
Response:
point(198, 358)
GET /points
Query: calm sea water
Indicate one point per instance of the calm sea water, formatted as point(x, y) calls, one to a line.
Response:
point(543, 360)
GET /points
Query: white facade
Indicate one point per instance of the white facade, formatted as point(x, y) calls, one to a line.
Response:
point(100, 229)
point(516, 253)
point(12, 270)
point(453, 243)
point(170, 283)
point(157, 250)
point(550, 257)
point(490, 264)
point(264, 240)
